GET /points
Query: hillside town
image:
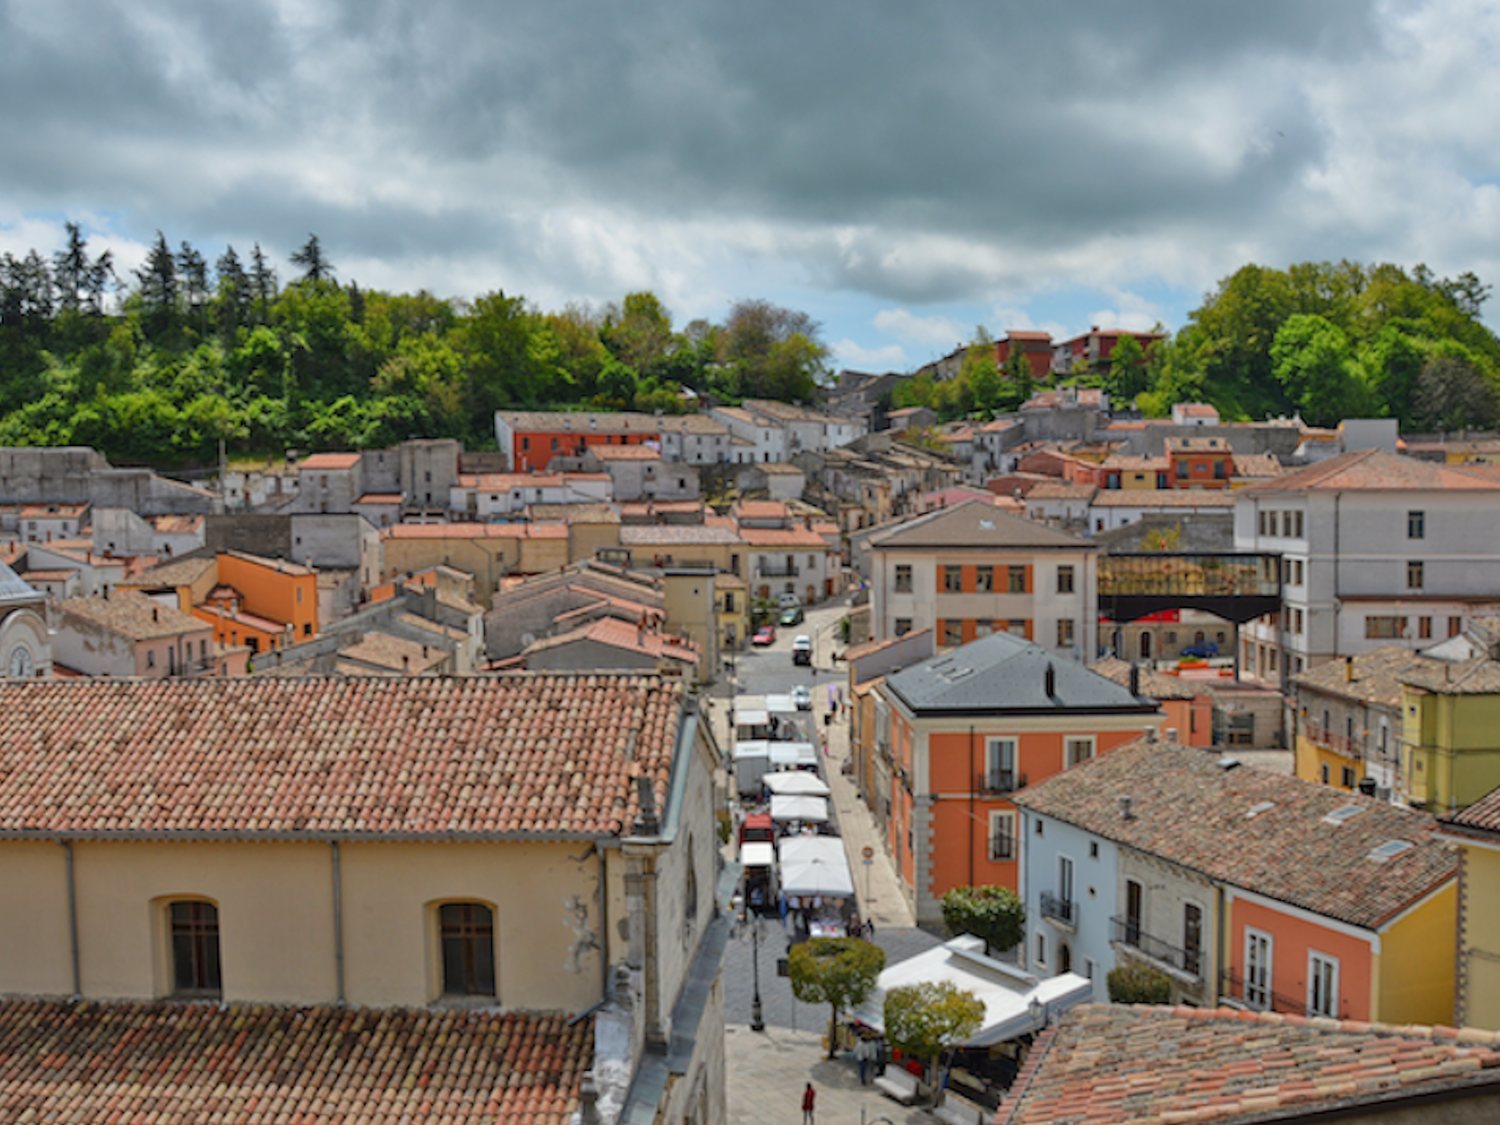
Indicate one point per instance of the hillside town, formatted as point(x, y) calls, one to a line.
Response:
point(647, 765)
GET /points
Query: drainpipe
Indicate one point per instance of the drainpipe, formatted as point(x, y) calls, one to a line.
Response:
point(73, 920)
point(603, 927)
point(338, 920)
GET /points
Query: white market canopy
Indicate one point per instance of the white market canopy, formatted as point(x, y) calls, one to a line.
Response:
point(815, 865)
point(781, 705)
point(1006, 991)
point(752, 717)
point(757, 854)
point(752, 748)
point(810, 809)
point(796, 783)
point(790, 755)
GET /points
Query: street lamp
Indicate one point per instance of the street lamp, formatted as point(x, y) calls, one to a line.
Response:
point(757, 1019)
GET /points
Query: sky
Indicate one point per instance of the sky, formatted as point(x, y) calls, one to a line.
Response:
point(902, 172)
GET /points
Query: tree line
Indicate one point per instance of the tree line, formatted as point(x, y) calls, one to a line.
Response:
point(161, 365)
point(1321, 339)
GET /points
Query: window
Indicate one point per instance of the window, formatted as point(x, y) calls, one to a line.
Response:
point(1065, 881)
point(1414, 576)
point(1384, 628)
point(984, 578)
point(1416, 525)
point(1088, 968)
point(903, 578)
point(1039, 827)
point(690, 897)
point(1093, 849)
point(1192, 938)
point(1322, 985)
point(953, 581)
point(1041, 949)
point(1016, 627)
point(1257, 969)
point(1132, 912)
point(1015, 579)
point(983, 627)
point(1077, 750)
point(1347, 777)
point(1323, 773)
point(953, 632)
point(1296, 525)
point(1455, 626)
point(903, 626)
point(1424, 628)
point(1065, 580)
point(467, 932)
point(150, 658)
point(1000, 764)
point(1002, 836)
point(195, 948)
point(1064, 632)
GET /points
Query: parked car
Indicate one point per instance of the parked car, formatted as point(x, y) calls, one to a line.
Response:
point(792, 615)
point(1200, 650)
point(765, 635)
point(802, 649)
point(802, 697)
point(789, 600)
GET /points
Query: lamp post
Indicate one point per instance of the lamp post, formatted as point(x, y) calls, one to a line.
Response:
point(757, 1019)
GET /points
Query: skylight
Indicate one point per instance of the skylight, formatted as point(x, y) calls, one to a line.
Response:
point(1256, 809)
point(987, 525)
point(1343, 813)
point(1390, 850)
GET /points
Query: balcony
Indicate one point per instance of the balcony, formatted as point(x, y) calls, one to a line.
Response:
point(1063, 911)
point(777, 570)
point(1328, 739)
point(1232, 991)
point(999, 781)
point(1002, 849)
point(1184, 962)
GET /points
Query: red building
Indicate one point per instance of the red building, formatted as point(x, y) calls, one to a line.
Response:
point(1199, 462)
point(1092, 350)
point(1035, 346)
point(531, 438)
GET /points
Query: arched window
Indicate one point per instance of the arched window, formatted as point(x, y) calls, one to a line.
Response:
point(690, 896)
point(194, 929)
point(467, 933)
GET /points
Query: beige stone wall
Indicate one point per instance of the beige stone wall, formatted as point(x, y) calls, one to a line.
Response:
point(34, 951)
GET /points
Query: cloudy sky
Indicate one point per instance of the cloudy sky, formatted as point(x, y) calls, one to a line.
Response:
point(901, 171)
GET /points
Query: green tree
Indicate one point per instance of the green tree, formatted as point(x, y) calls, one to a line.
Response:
point(839, 972)
point(1137, 983)
point(158, 289)
point(774, 352)
point(1127, 373)
point(1453, 394)
point(232, 297)
point(1313, 361)
point(993, 913)
point(315, 267)
point(262, 285)
point(638, 333)
point(70, 268)
point(924, 1020)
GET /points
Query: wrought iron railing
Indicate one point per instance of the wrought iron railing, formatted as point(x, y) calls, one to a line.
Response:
point(1063, 910)
point(1127, 931)
point(999, 781)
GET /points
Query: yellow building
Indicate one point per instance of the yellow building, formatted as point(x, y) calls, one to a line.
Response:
point(532, 842)
point(1346, 720)
point(488, 551)
point(1451, 732)
point(1476, 834)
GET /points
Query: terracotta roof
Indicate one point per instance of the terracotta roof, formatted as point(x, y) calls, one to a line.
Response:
point(1376, 676)
point(578, 422)
point(1130, 463)
point(280, 566)
point(48, 575)
point(132, 614)
point(762, 509)
point(1189, 810)
point(395, 654)
point(330, 461)
point(1197, 410)
point(975, 524)
point(1127, 1063)
point(1153, 684)
point(1061, 490)
point(1376, 470)
point(179, 572)
point(1483, 815)
point(1480, 676)
point(625, 635)
point(380, 498)
point(54, 511)
point(522, 754)
point(779, 469)
point(799, 537)
point(592, 512)
point(1257, 465)
point(1163, 498)
point(624, 453)
point(674, 534)
point(476, 531)
point(136, 1061)
point(1196, 445)
point(504, 482)
point(176, 524)
point(692, 424)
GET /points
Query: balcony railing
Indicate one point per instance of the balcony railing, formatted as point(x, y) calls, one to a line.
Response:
point(999, 781)
point(1329, 739)
point(1127, 931)
point(1232, 987)
point(1063, 910)
point(1002, 848)
point(777, 570)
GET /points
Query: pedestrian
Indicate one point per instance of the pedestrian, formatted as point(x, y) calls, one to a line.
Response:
point(809, 1099)
point(869, 929)
point(863, 1055)
point(879, 1057)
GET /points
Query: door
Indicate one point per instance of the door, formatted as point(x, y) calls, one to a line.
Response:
point(1257, 970)
point(1132, 912)
point(1145, 643)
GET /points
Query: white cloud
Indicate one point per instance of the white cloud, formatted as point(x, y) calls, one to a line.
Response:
point(846, 353)
point(934, 331)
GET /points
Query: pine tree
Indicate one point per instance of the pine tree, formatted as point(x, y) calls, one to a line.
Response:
point(159, 291)
point(233, 295)
point(262, 285)
point(70, 267)
point(315, 267)
point(193, 271)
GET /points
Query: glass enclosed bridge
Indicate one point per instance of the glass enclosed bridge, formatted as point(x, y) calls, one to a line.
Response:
point(1238, 587)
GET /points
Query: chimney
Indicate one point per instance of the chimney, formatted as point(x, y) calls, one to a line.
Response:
point(1135, 679)
point(646, 822)
point(405, 662)
point(1126, 813)
point(155, 614)
point(1049, 681)
point(1348, 669)
point(1171, 734)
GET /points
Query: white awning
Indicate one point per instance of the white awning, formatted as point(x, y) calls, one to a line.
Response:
point(1006, 991)
point(781, 705)
point(757, 717)
point(752, 748)
point(813, 809)
point(813, 849)
point(757, 854)
point(797, 783)
point(815, 865)
point(790, 755)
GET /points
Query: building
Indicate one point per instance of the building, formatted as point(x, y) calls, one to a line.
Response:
point(489, 496)
point(1245, 887)
point(442, 849)
point(1111, 510)
point(957, 735)
point(611, 645)
point(25, 643)
point(1450, 732)
point(972, 570)
point(490, 552)
point(1187, 706)
point(1091, 350)
point(1377, 549)
point(130, 634)
point(1194, 414)
point(1035, 346)
point(1475, 833)
point(531, 438)
point(1212, 1065)
point(1199, 462)
point(1347, 722)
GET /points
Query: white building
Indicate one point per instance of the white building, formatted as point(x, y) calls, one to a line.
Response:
point(1115, 507)
point(488, 496)
point(695, 439)
point(1377, 549)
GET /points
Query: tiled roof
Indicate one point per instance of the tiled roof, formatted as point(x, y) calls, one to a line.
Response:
point(624, 453)
point(280, 566)
point(1197, 410)
point(179, 572)
point(481, 756)
point(1127, 1063)
point(1370, 677)
point(799, 537)
point(138, 1062)
point(692, 424)
point(330, 461)
point(1061, 490)
point(625, 635)
point(1188, 809)
point(1002, 673)
point(131, 614)
point(675, 534)
point(1257, 465)
point(1480, 676)
point(1163, 498)
point(380, 498)
point(176, 524)
point(762, 509)
point(1377, 470)
point(975, 524)
point(575, 513)
point(476, 531)
point(1196, 445)
point(396, 654)
point(54, 511)
point(578, 422)
point(779, 469)
point(1128, 462)
point(1483, 814)
point(1153, 684)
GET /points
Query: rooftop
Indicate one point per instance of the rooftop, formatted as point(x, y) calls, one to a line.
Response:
point(1370, 677)
point(132, 614)
point(1105, 1063)
point(1377, 470)
point(330, 461)
point(1002, 674)
point(625, 635)
point(579, 421)
point(476, 531)
point(135, 1061)
point(975, 523)
point(1483, 816)
point(1164, 498)
point(1154, 684)
point(1479, 676)
point(624, 453)
point(473, 757)
point(1189, 809)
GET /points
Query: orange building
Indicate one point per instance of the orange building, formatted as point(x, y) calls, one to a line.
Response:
point(1199, 462)
point(1188, 707)
point(531, 438)
point(260, 603)
point(959, 733)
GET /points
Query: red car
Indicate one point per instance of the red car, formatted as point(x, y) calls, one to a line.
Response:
point(765, 635)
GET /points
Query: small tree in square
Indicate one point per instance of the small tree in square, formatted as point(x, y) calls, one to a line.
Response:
point(839, 972)
point(926, 1019)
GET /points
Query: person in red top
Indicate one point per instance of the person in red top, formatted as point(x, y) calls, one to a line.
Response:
point(809, 1098)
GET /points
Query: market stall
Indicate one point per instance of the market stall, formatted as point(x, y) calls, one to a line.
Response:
point(796, 783)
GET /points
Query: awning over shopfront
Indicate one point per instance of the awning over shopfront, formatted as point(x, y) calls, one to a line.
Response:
point(811, 810)
point(795, 783)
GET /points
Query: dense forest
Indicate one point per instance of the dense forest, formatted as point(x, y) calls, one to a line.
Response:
point(163, 365)
point(1326, 340)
